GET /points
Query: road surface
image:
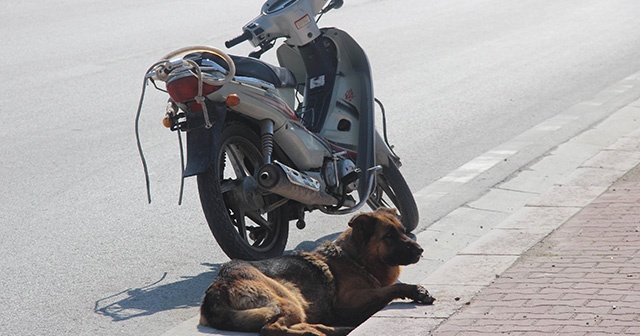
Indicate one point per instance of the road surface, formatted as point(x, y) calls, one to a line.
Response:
point(82, 251)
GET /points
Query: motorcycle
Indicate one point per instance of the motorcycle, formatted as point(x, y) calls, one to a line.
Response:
point(268, 143)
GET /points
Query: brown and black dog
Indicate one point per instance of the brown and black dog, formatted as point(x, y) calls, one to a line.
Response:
point(326, 292)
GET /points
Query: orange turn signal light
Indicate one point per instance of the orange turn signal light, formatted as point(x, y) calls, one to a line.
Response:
point(233, 100)
point(166, 121)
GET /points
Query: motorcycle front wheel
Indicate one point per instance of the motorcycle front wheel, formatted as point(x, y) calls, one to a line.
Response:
point(392, 191)
point(232, 203)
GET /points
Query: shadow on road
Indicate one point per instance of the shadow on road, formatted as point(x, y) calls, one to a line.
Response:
point(311, 245)
point(157, 297)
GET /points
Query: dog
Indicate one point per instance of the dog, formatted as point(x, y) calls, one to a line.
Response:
point(327, 292)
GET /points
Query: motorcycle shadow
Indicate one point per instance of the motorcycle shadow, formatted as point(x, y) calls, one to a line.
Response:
point(156, 297)
point(311, 245)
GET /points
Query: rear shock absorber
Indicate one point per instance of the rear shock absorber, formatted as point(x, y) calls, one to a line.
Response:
point(266, 128)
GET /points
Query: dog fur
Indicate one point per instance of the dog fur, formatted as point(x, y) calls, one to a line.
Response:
point(327, 292)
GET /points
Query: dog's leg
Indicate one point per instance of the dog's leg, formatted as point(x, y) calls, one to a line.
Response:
point(330, 331)
point(239, 320)
point(279, 328)
point(247, 300)
point(282, 328)
point(246, 308)
point(361, 304)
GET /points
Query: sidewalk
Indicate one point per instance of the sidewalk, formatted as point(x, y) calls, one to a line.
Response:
point(582, 279)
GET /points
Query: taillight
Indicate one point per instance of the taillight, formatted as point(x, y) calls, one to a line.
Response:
point(186, 88)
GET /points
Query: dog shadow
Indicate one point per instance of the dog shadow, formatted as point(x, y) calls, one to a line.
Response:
point(402, 305)
point(156, 297)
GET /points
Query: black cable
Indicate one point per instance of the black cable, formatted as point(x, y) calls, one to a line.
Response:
point(181, 167)
point(137, 129)
point(384, 125)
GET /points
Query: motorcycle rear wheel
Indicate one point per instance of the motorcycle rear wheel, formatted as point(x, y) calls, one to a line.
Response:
point(392, 191)
point(232, 202)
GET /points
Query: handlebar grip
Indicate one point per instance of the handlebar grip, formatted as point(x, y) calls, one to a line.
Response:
point(337, 4)
point(237, 40)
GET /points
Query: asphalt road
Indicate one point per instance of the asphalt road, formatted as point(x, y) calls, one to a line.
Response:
point(83, 253)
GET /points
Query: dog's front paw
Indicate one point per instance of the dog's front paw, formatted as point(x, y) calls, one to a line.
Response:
point(422, 296)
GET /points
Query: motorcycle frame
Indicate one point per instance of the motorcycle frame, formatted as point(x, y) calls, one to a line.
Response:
point(346, 95)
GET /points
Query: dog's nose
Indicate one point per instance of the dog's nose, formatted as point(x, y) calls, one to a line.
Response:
point(415, 249)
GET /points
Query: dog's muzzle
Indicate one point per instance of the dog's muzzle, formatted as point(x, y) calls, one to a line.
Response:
point(407, 253)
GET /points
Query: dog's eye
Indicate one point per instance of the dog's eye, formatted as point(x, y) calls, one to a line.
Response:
point(390, 235)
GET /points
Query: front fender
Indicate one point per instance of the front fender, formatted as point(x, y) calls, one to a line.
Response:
point(202, 143)
point(384, 154)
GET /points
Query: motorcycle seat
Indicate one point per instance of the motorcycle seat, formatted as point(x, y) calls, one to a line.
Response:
point(252, 67)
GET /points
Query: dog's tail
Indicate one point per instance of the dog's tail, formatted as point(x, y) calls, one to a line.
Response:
point(217, 313)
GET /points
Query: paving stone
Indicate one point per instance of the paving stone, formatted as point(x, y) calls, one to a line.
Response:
point(587, 176)
point(568, 196)
point(579, 280)
point(566, 157)
point(396, 326)
point(614, 160)
point(538, 217)
point(629, 143)
point(506, 242)
point(505, 201)
point(470, 269)
point(530, 181)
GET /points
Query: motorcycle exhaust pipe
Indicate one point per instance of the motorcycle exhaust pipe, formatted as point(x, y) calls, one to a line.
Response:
point(290, 183)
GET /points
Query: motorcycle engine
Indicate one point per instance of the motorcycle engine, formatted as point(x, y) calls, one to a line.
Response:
point(334, 172)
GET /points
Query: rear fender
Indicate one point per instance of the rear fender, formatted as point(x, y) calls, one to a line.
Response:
point(202, 143)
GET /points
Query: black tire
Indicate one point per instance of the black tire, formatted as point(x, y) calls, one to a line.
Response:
point(392, 191)
point(238, 227)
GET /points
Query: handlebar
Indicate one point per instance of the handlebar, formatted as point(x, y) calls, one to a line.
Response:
point(283, 18)
point(334, 4)
point(247, 35)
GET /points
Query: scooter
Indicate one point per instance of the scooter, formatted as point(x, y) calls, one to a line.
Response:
point(270, 143)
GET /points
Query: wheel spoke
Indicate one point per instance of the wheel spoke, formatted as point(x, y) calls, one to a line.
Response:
point(383, 189)
point(392, 196)
point(241, 223)
point(273, 206)
point(237, 157)
point(259, 240)
point(380, 200)
point(255, 216)
point(383, 196)
point(226, 186)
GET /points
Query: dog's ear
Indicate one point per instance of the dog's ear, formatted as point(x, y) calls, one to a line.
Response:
point(363, 226)
point(390, 211)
